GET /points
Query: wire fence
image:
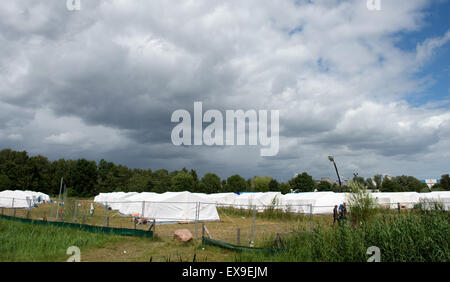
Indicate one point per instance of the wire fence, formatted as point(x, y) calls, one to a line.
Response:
point(237, 224)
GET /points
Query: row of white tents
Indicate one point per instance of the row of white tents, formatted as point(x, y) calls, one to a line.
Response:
point(186, 206)
point(22, 199)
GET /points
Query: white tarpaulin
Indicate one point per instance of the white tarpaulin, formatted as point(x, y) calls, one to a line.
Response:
point(260, 199)
point(22, 199)
point(165, 207)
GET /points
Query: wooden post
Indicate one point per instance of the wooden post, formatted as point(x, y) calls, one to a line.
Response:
point(154, 227)
point(107, 221)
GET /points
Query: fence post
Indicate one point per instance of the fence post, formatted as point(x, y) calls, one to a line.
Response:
point(143, 209)
point(196, 220)
point(252, 242)
point(107, 221)
point(51, 208)
point(154, 227)
point(238, 236)
point(310, 217)
point(14, 210)
point(104, 216)
point(75, 211)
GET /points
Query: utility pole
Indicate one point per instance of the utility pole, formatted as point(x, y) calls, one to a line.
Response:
point(331, 158)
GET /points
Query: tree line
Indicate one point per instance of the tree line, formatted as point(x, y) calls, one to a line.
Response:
point(85, 178)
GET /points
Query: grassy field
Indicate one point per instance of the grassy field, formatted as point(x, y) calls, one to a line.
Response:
point(31, 243)
point(406, 237)
point(52, 242)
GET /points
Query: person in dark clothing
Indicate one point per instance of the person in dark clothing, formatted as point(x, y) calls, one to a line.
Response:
point(335, 215)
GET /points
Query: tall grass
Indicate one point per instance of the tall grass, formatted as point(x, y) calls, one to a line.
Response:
point(27, 242)
point(270, 212)
point(417, 236)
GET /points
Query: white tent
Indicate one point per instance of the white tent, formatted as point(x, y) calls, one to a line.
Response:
point(22, 199)
point(180, 207)
point(392, 199)
point(260, 199)
point(222, 199)
point(321, 202)
point(442, 197)
point(166, 207)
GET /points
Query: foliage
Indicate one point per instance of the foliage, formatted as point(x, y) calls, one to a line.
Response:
point(324, 186)
point(303, 183)
point(413, 236)
point(361, 204)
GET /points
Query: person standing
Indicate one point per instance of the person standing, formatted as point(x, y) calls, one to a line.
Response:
point(335, 214)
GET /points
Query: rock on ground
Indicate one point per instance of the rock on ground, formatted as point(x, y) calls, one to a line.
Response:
point(182, 235)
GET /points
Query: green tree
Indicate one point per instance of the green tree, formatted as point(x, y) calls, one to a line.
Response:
point(182, 181)
point(161, 181)
point(285, 187)
point(390, 185)
point(445, 182)
point(378, 181)
point(324, 186)
point(303, 183)
point(5, 182)
point(261, 183)
point(83, 178)
point(210, 183)
point(370, 184)
point(274, 186)
point(236, 183)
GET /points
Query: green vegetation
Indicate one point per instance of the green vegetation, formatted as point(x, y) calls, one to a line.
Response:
point(27, 242)
point(417, 236)
point(361, 203)
point(85, 178)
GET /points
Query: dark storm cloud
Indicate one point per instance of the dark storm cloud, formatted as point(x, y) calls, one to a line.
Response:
point(103, 82)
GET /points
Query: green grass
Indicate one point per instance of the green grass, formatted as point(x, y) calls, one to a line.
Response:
point(407, 237)
point(27, 242)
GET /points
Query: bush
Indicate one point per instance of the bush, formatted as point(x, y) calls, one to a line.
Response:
point(361, 204)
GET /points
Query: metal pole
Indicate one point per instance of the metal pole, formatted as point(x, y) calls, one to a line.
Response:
point(196, 220)
point(252, 242)
point(104, 216)
point(59, 196)
point(339, 178)
point(75, 211)
point(143, 209)
point(51, 209)
point(310, 217)
point(12, 206)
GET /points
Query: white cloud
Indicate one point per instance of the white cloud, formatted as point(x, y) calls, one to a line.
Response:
point(105, 80)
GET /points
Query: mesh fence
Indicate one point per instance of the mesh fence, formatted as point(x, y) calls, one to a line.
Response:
point(240, 225)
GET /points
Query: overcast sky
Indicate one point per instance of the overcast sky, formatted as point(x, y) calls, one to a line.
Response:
point(369, 87)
